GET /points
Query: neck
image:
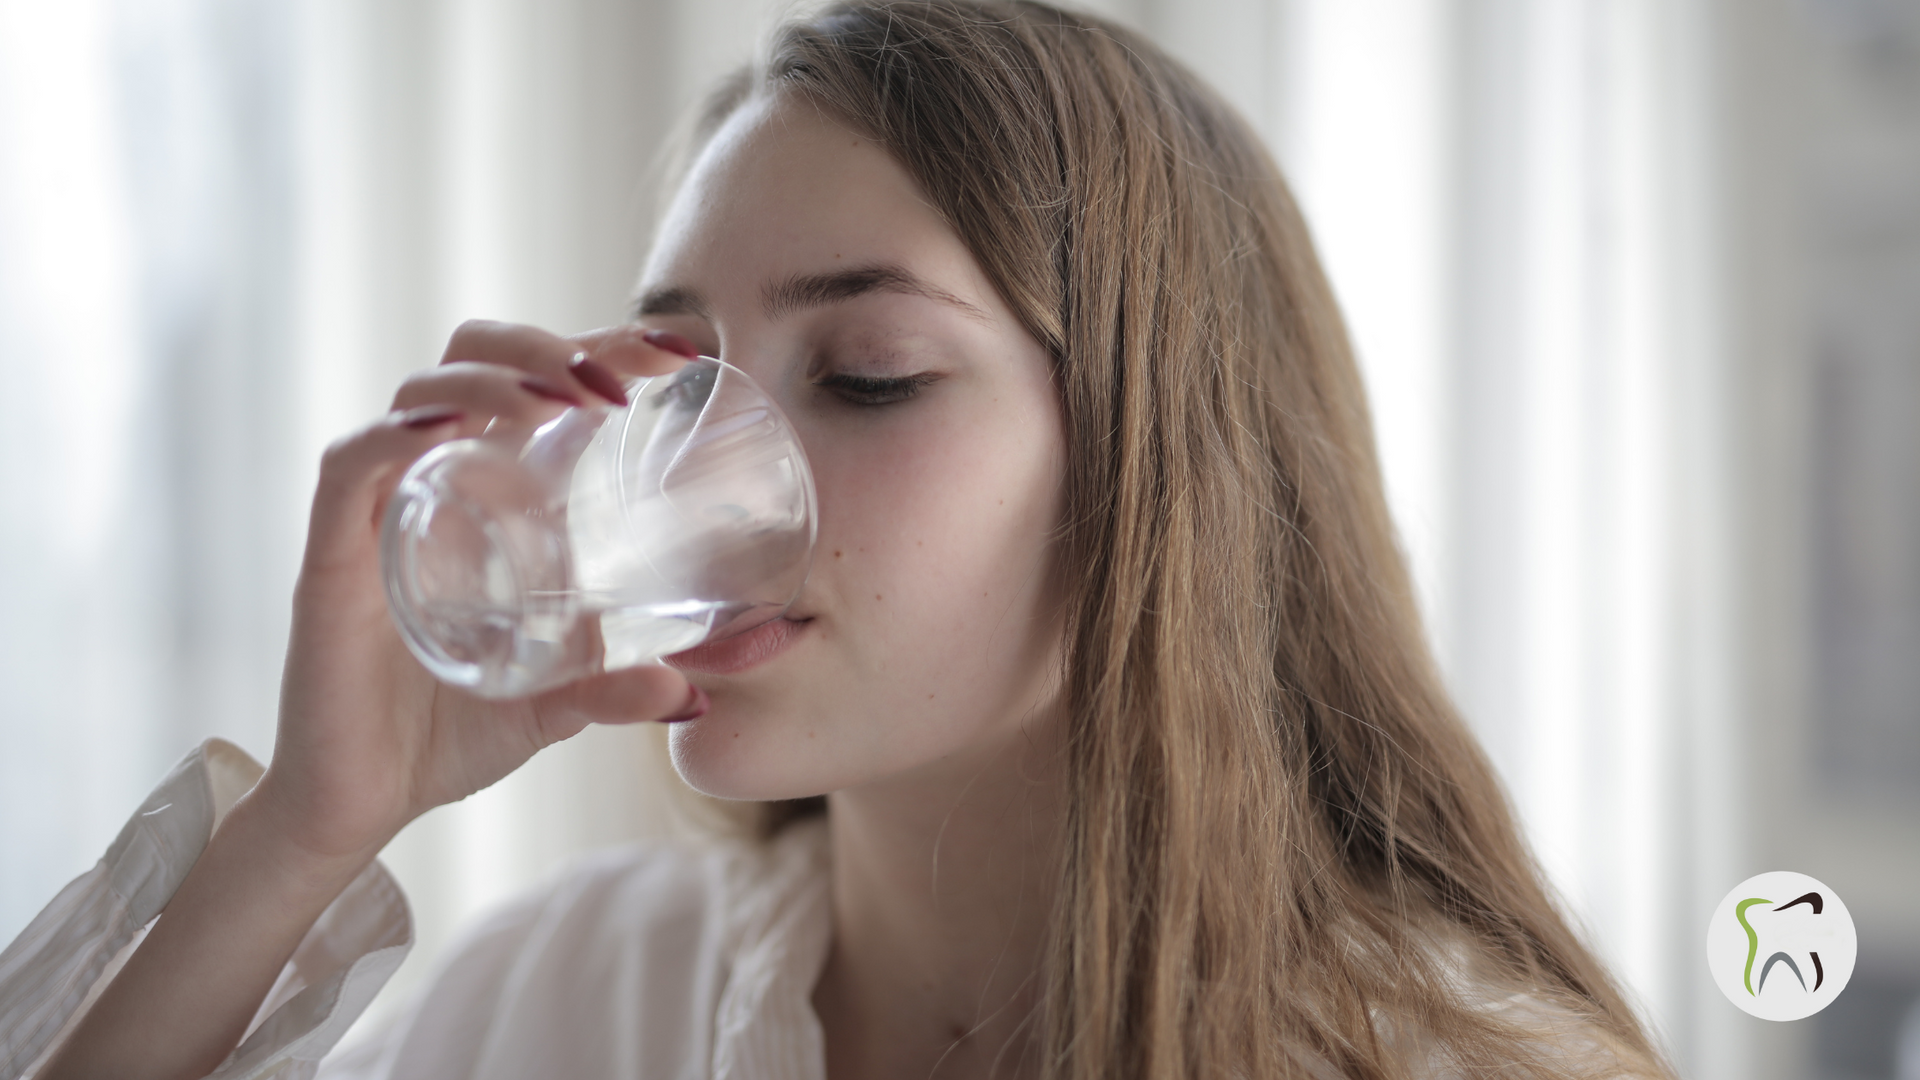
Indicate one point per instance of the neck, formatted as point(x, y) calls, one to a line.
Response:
point(942, 887)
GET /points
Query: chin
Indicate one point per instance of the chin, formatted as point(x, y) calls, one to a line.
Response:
point(726, 759)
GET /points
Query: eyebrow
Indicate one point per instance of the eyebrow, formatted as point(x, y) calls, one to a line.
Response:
point(670, 301)
point(811, 290)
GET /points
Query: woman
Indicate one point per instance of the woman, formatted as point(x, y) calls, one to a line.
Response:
point(1134, 761)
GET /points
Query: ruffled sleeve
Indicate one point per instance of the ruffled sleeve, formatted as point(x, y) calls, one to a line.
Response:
point(51, 974)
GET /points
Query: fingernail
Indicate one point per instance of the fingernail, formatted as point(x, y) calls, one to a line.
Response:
point(598, 379)
point(542, 388)
point(696, 707)
point(671, 342)
point(429, 416)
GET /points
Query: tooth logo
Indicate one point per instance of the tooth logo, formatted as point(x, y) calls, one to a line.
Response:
point(1781, 946)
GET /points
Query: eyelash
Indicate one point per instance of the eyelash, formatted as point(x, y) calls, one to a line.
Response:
point(867, 391)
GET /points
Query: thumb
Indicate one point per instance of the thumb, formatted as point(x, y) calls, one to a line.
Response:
point(632, 695)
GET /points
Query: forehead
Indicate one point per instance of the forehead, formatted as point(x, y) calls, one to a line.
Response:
point(782, 180)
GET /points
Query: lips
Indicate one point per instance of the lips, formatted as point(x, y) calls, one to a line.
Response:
point(740, 652)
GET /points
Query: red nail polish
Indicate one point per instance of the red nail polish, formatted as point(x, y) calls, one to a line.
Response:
point(430, 416)
point(696, 707)
point(671, 342)
point(598, 379)
point(542, 388)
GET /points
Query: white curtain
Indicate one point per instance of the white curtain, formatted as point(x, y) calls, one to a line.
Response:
point(150, 475)
point(228, 227)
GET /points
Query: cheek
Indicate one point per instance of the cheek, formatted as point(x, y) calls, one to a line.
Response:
point(936, 619)
point(937, 534)
point(941, 621)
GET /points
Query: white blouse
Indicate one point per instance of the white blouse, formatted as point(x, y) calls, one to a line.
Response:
point(651, 961)
point(655, 960)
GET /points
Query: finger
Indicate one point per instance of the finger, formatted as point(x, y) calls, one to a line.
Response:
point(357, 472)
point(558, 362)
point(486, 390)
point(632, 349)
point(522, 346)
point(650, 692)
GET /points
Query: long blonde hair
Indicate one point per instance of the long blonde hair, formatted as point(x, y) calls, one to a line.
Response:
point(1282, 846)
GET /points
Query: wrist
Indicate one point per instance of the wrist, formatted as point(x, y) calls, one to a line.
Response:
point(184, 999)
point(260, 829)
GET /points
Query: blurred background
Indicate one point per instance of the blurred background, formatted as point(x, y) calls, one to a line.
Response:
point(1636, 285)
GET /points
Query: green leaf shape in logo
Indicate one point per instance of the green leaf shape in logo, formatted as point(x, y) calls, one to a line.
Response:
point(1753, 939)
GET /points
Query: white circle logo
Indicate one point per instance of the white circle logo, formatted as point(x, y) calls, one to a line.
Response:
point(1781, 946)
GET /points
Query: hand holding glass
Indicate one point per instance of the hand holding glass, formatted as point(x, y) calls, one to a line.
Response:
point(611, 538)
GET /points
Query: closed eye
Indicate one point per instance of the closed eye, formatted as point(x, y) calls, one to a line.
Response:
point(870, 390)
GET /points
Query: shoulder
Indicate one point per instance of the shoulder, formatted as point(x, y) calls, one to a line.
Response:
point(1556, 1033)
point(1441, 1004)
point(675, 899)
point(671, 887)
point(618, 960)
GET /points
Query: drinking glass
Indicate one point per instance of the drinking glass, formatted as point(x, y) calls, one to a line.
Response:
point(610, 537)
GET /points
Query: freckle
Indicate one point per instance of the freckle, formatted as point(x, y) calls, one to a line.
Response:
point(809, 734)
point(919, 543)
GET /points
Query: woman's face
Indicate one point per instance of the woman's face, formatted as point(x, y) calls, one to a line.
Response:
point(928, 634)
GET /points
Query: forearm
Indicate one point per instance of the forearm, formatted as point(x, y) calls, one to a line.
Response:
point(183, 1000)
